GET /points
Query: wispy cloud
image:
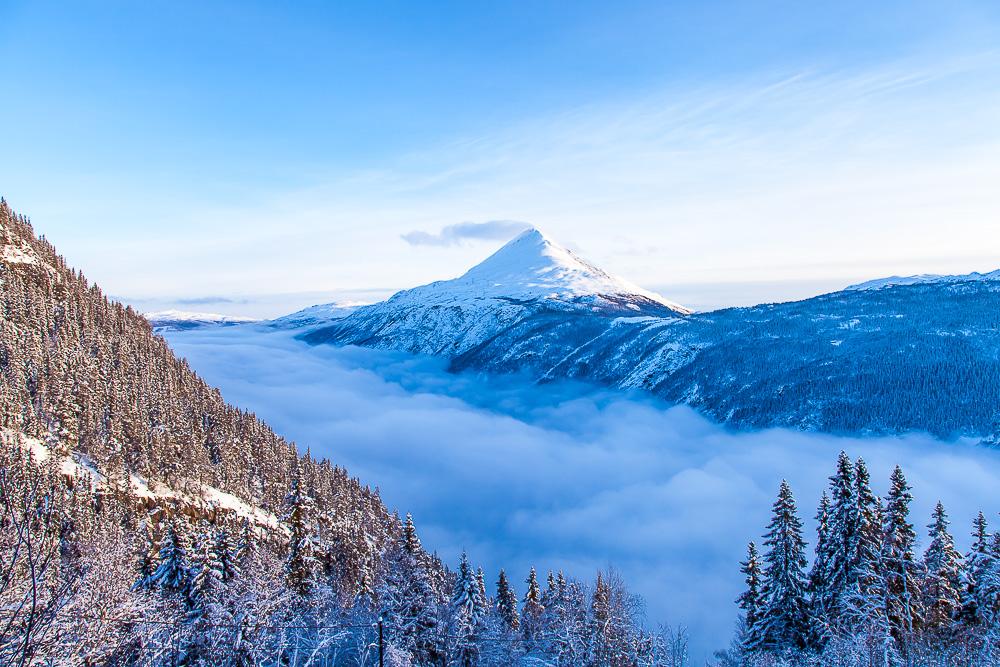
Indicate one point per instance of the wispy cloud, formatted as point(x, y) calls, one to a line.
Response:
point(491, 230)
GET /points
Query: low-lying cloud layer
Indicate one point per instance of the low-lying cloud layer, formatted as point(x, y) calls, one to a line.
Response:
point(491, 230)
point(564, 476)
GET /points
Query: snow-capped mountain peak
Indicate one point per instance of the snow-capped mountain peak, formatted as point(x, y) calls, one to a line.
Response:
point(531, 267)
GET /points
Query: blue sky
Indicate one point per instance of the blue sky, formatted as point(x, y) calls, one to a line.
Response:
point(270, 155)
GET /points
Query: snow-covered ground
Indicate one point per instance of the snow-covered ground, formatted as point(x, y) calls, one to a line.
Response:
point(80, 467)
point(564, 476)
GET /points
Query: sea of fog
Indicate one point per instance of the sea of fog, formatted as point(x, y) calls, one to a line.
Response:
point(565, 476)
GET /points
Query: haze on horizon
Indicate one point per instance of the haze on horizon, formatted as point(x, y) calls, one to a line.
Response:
point(253, 159)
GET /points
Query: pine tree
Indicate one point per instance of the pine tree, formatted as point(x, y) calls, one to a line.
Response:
point(532, 605)
point(507, 602)
point(978, 564)
point(246, 547)
point(409, 603)
point(842, 553)
point(902, 573)
point(942, 583)
point(482, 598)
point(207, 582)
point(750, 600)
point(988, 589)
point(225, 554)
point(301, 565)
point(862, 604)
point(784, 620)
point(466, 613)
point(172, 574)
point(818, 584)
point(411, 541)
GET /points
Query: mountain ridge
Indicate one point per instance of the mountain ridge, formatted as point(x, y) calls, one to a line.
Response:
point(804, 364)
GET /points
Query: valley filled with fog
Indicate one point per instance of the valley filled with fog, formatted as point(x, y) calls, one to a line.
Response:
point(570, 476)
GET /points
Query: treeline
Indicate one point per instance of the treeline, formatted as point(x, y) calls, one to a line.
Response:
point(115, 547)
point(867, 598)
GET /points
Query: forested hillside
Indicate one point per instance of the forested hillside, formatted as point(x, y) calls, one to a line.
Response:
point(145, 521)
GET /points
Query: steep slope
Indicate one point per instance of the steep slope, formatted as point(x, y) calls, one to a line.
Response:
point(530, 286)
point(87, 376)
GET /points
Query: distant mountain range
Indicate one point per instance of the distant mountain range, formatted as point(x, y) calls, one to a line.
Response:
point(181, 320)
point(888, 356)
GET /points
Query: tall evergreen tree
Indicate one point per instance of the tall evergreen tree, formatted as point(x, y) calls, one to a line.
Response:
point(901, 570)
point(301, 564)
point(784, 620)
point(207, 581)
point(842, 553)
point(507, 602)
point(862, 604)
point(173, 571)
point(943, 567)
point(750, 601)
point(466, 614)
point(818, 584)
point(225, 554)
point(978, 563)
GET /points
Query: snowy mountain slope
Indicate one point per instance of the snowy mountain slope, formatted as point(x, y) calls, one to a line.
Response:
point(180, 320)
point(924, 355)
point(925, 278)
point(530, 284)
point(315, 315)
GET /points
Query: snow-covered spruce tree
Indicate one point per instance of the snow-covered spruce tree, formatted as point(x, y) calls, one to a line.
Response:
point(784, 620)
point(943, 568)
point(901, 570)
point(466, 615)
point(507, 602)
point(482, 597)
point(842, 552)
point(225, 554)
point(750, 601)
point(172, 575)
point(207, 579)
point(531, 608)
point(978, 563)
point(246, 546)
point(408, 601)
point(301, 565)
point(818, 584)
point(862, 606)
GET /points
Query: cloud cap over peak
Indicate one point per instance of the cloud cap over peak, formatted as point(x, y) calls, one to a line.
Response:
point(462, 232)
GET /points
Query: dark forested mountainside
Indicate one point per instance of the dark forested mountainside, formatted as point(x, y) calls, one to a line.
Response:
point(145, 521)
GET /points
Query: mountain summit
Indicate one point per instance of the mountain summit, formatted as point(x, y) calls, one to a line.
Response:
point(529, 283)
point(531, 267)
